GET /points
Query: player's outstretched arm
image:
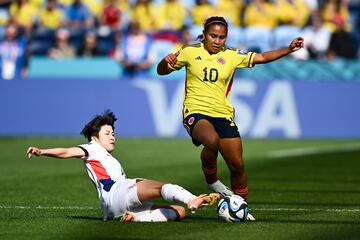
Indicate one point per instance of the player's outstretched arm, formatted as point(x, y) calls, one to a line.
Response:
point(56, 152)
point(163, 67)
point(266, 57)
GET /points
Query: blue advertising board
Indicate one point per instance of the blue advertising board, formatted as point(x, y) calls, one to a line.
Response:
point(152, 108)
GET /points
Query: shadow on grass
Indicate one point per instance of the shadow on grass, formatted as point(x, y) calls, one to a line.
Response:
point(86, 218)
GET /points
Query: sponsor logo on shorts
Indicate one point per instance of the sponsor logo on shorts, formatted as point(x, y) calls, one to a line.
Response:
point(191, 120)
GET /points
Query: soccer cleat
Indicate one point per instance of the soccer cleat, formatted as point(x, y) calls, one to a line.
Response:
point(220, 188)
point(127, 217)
point(250, 217)
point(204, 199)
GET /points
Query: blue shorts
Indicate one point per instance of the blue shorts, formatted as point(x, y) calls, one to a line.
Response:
point(224, 127)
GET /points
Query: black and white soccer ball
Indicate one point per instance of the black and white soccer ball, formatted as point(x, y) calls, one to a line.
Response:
point(232, 209)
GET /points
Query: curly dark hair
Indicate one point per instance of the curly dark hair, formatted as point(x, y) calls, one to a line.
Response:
point(93, 127)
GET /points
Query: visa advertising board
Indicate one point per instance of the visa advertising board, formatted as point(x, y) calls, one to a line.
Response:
point(153, 108)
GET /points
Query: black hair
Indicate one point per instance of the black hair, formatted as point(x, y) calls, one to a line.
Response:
point(212, 21)
point(93, 127)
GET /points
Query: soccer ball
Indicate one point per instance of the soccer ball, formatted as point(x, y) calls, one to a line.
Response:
point(232, 209)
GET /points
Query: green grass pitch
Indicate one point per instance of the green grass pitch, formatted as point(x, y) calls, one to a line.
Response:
point(298, 189)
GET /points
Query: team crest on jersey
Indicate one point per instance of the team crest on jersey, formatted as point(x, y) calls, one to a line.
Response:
point(191, 120)
point(221, 60)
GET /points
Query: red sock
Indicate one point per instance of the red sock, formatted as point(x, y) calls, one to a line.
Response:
point(210, 173)
point(243, 192)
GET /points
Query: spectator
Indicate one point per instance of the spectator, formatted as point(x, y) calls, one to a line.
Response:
point(51, 17)
point(231, 10)
point(171, 15)
point(146, 14)
point(24, 14)
point(185, 38)
point(134, 51)
point(201, 11)
point(317, 38)
point(111, 15)
point(62, 48)
point(341, 43)
point(13, 54)
point(292, 12)
point(89, 47)
point(78, 15)
point(260, 13)
point(334, 11)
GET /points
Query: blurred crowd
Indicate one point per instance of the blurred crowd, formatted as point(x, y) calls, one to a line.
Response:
point(139, 32)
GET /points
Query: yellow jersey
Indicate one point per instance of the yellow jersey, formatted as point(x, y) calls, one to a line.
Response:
point(209, 78)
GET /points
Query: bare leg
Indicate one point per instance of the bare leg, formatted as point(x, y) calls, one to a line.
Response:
point(232, 151)
point(205, 133)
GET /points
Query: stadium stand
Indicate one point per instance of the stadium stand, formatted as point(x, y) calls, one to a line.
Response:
point(246, 38)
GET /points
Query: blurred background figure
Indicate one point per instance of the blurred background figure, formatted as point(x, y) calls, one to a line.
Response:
point(259, 20)
point(24, 13)
point(62, 49)
point(185, 38)
point(201, 11)
point(13, 54)
point(171, 15)
point(317, 38)
point(111, 15)
point(78, 15)
point(231, 10)
point(291, 12)
point(342, 44)
point(135, 51)
point(51, 16)
point(334, 11)
point(260, 13)
point(145, 13)
point(89, 47)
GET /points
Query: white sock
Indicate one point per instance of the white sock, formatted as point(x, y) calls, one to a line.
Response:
point(175, 193)
point(220, 188)
point(156, 215)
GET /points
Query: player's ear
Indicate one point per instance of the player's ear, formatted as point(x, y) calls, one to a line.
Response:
point(93, 138)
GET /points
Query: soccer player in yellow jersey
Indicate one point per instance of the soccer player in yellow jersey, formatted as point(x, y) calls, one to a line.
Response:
point(207, 111)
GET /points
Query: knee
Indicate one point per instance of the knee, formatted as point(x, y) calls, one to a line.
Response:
point(212, 143)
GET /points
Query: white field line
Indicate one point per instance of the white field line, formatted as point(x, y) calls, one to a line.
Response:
point(306, 209)
point(293, 152)
point(49, 208)
point(253, 209)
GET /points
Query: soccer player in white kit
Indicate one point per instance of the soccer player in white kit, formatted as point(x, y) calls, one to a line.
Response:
point(122, 198)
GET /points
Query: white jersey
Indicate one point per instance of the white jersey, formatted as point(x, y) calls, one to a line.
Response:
point(103, 169)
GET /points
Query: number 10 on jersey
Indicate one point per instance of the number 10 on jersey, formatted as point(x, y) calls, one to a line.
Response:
point(211, 74)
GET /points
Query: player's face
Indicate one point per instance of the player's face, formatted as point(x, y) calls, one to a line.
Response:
point(106, 138)
point(215, 38)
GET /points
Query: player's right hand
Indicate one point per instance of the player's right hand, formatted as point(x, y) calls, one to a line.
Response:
point(33, 151)
point(172, 58)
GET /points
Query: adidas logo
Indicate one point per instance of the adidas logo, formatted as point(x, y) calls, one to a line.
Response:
point(198, 58)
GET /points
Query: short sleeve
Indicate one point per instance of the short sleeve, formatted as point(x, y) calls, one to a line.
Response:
point(181, 59)
point(244, 59)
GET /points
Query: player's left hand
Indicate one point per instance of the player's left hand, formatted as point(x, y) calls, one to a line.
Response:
point(296, 44)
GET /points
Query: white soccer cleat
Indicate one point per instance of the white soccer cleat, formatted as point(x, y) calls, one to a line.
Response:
point(204, 199)
point(250, 217)
point(220, 188)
